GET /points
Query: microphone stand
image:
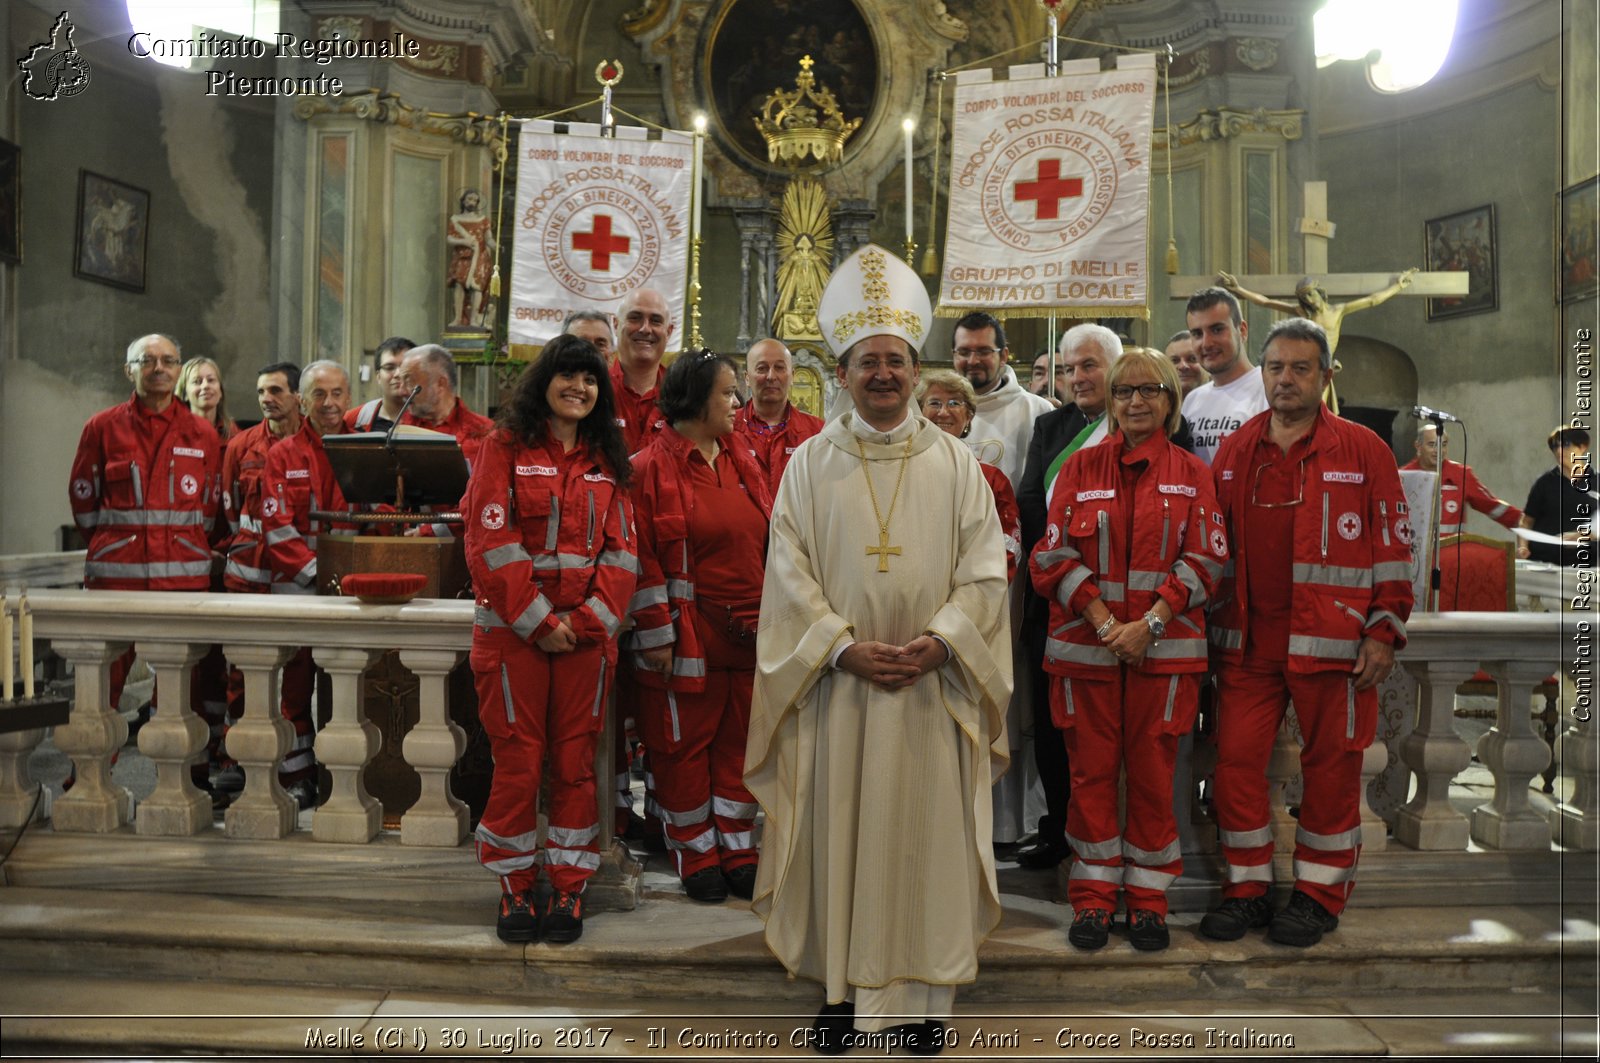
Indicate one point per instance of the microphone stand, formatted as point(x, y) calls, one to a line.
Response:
point(1435, 572)
point(388, 444)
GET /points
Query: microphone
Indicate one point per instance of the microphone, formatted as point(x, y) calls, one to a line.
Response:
point(1428, 413)
point(388, 439)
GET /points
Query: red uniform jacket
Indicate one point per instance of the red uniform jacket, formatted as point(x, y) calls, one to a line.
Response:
point(299, 479)
point(1461, 487)
point(663, 606)
point(549, 537)
point(772, 447)
point(144, 491)
point(637, 415)
point(244, 467)
point(1005, 506)
point(1352, 546)
point(1175, 551)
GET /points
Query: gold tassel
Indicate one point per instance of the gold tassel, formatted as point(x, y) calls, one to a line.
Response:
point(930, 262)
point(1172, 257)
point(494, 281)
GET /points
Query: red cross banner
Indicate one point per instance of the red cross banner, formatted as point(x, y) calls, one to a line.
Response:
point(596, 218)
point(1050, 192)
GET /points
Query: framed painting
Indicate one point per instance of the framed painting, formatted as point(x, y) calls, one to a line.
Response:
point(1463, 241)
point(1577, 215)
point(113, 232)
point(10, 202)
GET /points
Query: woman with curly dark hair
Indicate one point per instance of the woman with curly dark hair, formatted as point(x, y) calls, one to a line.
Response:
point(549, 541)
point(703, 513)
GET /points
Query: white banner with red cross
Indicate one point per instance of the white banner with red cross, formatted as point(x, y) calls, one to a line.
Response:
point(1050, 191)
point(596, 218)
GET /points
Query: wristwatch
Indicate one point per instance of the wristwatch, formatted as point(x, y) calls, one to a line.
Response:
point(1158, 627)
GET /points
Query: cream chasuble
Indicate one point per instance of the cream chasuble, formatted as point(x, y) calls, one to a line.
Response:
point(877, 864)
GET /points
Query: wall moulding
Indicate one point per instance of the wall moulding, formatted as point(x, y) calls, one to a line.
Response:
point(1226, 123)
point(385, 109)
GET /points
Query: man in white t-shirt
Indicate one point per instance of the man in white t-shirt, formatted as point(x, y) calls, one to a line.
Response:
point(1216, 410)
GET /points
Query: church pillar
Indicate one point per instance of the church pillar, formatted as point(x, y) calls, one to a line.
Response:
point(345, 747)
point(852, 227)
point(258, 742)
point(432, 747)
point(174, 739)
point(1436, 754)
point(756, 220)
point(91, 738)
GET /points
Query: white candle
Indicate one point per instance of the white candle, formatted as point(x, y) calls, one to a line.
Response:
point(6, 676)
point(25, 637)
point(909, 126)
point(699, 174)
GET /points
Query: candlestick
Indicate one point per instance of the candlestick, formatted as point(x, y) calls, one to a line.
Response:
point(6, 676)
point(25, 637)
point(698, 191)
point(909, 126)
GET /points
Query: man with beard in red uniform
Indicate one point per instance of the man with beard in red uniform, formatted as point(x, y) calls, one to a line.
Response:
point(769, 422)
point(144, 488)
point(645, 326)
point(1317, 623)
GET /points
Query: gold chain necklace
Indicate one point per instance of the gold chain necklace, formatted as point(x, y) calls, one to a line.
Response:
point(883, 549)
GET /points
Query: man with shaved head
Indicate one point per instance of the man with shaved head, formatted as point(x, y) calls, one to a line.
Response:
point(769, 422)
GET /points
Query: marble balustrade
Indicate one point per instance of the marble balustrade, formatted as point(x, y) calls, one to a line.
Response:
point(258, 633)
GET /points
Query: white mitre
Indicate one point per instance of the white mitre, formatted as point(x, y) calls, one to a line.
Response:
point(874, 293)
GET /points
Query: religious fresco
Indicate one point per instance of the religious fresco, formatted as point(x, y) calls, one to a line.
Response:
point(755, 45)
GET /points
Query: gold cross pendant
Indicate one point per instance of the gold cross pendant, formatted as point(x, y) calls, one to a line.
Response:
point(883, 550)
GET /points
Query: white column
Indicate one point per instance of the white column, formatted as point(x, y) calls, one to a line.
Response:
point(174, 739)
point(1575, 822)
point(1514, 755)
point(91, 738)
point(1436, 755)
point(258, 742)
point(345, 747)
point(432, 747)
point(1374, 831)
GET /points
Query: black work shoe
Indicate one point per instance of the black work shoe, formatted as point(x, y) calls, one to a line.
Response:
point(563, 920)
point(741, 881)
point(1230, 920)
point(1042, 855)
point(304, 792)
point(518, 921)
point(229, 779)
point(706, 885)
point(921, 1038)
point(1302, 922)
point(1091, 928)
point(833, 1023)
point(1147, 930)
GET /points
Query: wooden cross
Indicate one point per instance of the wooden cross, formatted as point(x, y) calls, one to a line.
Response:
point(1316, 230)
point(883, 550)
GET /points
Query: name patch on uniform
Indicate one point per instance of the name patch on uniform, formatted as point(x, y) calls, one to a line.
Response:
point(1090, 496)
point(597, 478)
point(188, 452)
point(297, 474)
point(1176, 489)
point(1227, 474)
point(536, 470)
point(1344, 478)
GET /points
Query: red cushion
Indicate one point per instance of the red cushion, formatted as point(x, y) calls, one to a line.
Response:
point(382, 586)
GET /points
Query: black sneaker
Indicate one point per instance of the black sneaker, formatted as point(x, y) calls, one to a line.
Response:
point(563, 920)
point(1234, 916)
point(1043, 854)
point(1147, 931)
point(706, 885)
point(1302, 922)
point(741, 881)
point(518, 922)
point(833, 1023)
point(1091, 929)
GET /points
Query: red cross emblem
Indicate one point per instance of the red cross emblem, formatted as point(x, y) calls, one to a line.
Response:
point(1350, 526)
point(1048, 189)
point(600, 244)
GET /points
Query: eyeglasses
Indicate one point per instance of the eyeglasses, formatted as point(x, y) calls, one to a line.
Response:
point(150, 361)
point(975, 352)
point(896, 364)
point(1255, 488)
point(388, 370)
point(1148, 392)
point(935, 405)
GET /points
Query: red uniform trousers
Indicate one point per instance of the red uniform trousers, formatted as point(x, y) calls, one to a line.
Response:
point(532, 704)
point(1131, 720)
point(696, 746)
point(1337, 723)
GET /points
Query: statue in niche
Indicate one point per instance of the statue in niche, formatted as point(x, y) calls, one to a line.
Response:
point(805, 247)
point(1311, 301)
point(470, 237)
